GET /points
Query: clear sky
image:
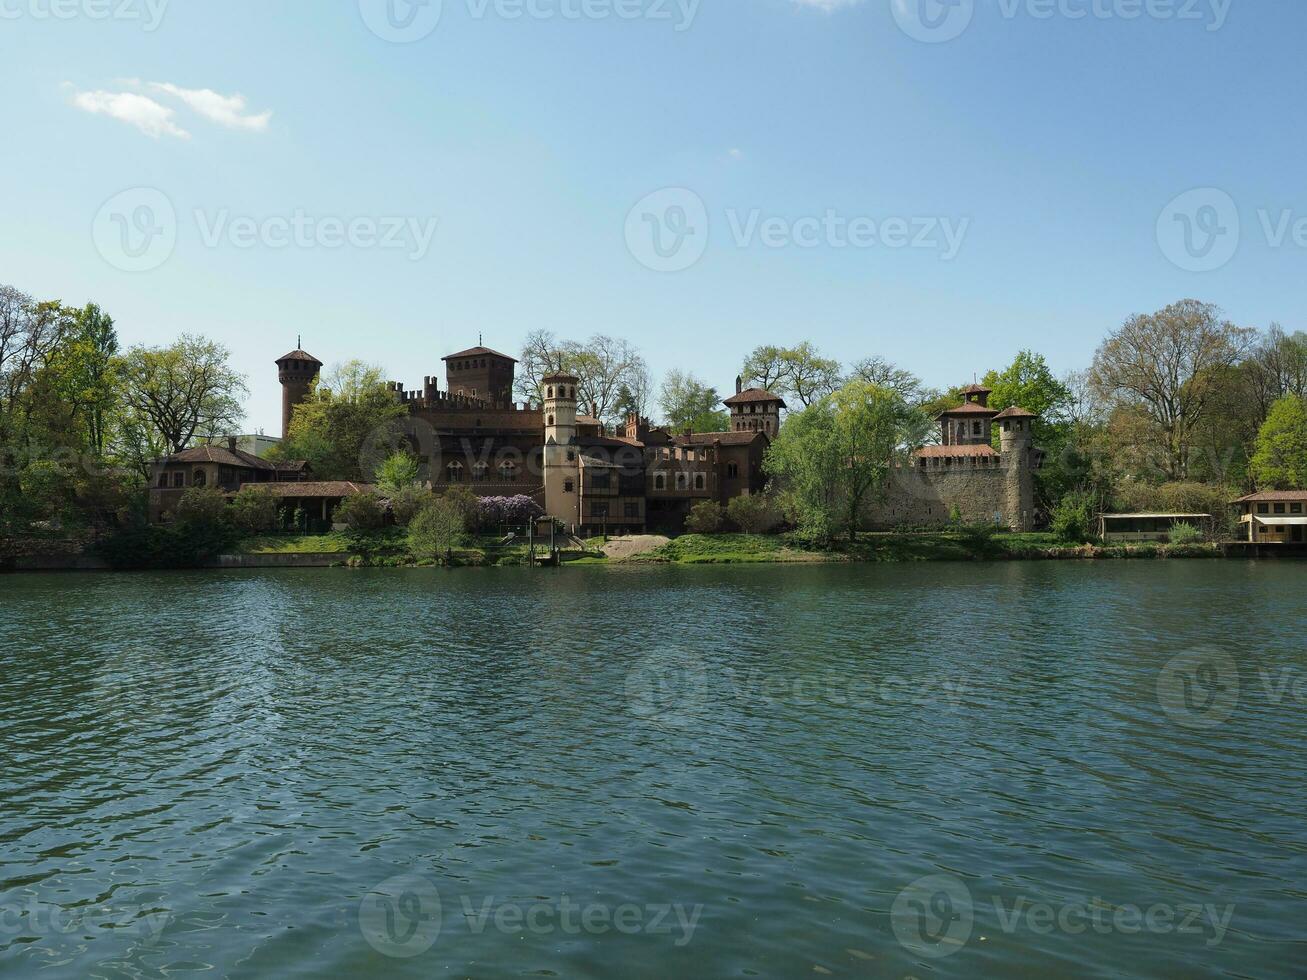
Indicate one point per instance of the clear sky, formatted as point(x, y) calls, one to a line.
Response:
point(821, 140)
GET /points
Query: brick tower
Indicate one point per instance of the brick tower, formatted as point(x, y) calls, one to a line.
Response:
point(296, 371)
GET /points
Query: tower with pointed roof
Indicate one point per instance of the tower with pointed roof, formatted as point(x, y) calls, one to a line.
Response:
point(561, 465)
point(296, 371)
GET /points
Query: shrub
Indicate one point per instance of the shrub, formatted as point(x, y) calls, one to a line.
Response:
point(1073, 519)
point(518, 509)
point(753, 513)
point(468, 504)
point(361, 513)
point(978, 535)
point(1183, 532)
point(407, 501)
point(705, 517)
point(202, 506)
point(254, 510)
point(437, 529)
point(397, 471)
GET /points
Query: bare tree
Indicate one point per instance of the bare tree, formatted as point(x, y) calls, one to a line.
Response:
point(1165, 363)
point(604, 366)
point(882, 373)
point(797, 371)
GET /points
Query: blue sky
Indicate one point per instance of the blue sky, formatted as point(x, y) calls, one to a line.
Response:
point(1049, 143)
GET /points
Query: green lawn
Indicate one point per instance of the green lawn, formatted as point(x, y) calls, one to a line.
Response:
point(294, 544)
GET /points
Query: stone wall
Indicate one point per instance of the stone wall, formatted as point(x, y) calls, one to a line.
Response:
point(921, 496)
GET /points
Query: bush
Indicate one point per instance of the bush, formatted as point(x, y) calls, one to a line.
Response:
point(518, 509)
point(437, 529)
point(361, 512)
point(468, 504)
point(202, 506)
point(407, 501)
point(1073, 519)
point(753, 513)
point(254, 510)
point(705, 517)
point(1183, 532)
point(397, 471)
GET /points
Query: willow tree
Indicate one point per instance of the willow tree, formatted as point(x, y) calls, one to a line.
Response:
point(833, 458)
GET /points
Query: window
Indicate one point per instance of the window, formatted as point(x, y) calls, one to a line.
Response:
point(568, 486)
point(732, 470)
point(1295, 508)
point(571, 456)
point(179, 479)
point(163, 478)
point(479, 471)
point(599, 510)
point(700, 481)
point(200, 479)
point(1263, 509)
point(631, 509)
point(660, 481)
point(549, 421)
point(454, 471)
point(682, 481)
point(508, 471)
point(549, 393)
point(600, 481)
point(975, 428)
point(1279, 508)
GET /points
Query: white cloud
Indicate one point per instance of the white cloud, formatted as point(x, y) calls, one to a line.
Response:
point(226, 110)
point(735, 153)
point(140, 111)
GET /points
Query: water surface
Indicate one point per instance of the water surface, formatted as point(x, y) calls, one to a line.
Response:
point(1017, 769)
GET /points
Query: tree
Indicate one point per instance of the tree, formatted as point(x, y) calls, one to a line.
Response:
point(84, 370)
point(1028, 383)
point(184, 390)
point(347, 416)
point(705, 517)
point(797, 371)
point(1162, 363)
point(605, 368)
point(1280, 460)
point(254, 509)
point(753, 513)
point(406, 501)
point(688, 403)
point(835, 456)
point(876, 370)
point(362, 513)
point(397, 471)
point(1073, 518)
point(436, 530)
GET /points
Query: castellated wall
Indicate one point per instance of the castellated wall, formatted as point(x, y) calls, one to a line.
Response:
point(917, 495)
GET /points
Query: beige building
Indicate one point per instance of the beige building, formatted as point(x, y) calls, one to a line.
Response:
point(1274, 516)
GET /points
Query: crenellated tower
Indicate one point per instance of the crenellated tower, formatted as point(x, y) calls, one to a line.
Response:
point(296, 371)
point(1020, 460)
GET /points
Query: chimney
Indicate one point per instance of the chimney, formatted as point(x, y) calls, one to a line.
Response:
point(594, 409)
point(231, 443)
point(739, 384)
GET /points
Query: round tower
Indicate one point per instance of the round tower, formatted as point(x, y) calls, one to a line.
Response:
point(562, 468)
point(1016, 446)
point(296, 371)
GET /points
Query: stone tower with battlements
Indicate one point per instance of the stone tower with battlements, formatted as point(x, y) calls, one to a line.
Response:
point(296, 371)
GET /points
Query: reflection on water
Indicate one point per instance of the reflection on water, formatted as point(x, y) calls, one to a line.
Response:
point(960, 770)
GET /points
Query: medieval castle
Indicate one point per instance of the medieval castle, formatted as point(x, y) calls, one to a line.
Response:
point(640, 477)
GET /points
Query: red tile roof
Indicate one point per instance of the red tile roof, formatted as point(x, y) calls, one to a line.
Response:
point(976, 390)
point(753, 395)
point(969, 408)
point(313, 488)
point(478, 352)
point(1273, 495)
point(725, 438)
point(1015, 412)
point(979, 449)
point(238, 457)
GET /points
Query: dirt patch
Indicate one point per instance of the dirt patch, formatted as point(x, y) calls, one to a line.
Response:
point(634, 544)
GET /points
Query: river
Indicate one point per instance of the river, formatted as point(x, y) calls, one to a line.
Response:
point(1016, 769)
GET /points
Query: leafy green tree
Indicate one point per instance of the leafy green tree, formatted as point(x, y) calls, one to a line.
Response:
point(406, 501)
point(1280, 459)
point(436, 530)
point(346, 414)
point(1073, 518)
point(254, 510)
point(688, 403)
point(834, 457)
point(705, 517)
point(1028, 383)
point(184, 390)
point(361, 513)
point(876, 370)
point(397, 471)
point(800, 372)
point(753, 513)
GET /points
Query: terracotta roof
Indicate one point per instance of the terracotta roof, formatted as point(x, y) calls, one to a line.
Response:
point(725, 438)
point(1016, 412)
point(559, 376)
point(588, 420)
point(969, 408)
point(980, 449)
point(753, 395)
point(299, 355)
point(223, 455)
point(478, 352)
point(976, 390)
point(313, 488)
point(1274, 495)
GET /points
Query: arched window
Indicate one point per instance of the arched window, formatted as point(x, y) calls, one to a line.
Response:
point(660, 481)
point(508, 471)
point(479, 470)
point(549, 392)
point(454, 470)
point(549, 421)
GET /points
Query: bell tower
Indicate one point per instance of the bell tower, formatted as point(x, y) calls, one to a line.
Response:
point(562, 468)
